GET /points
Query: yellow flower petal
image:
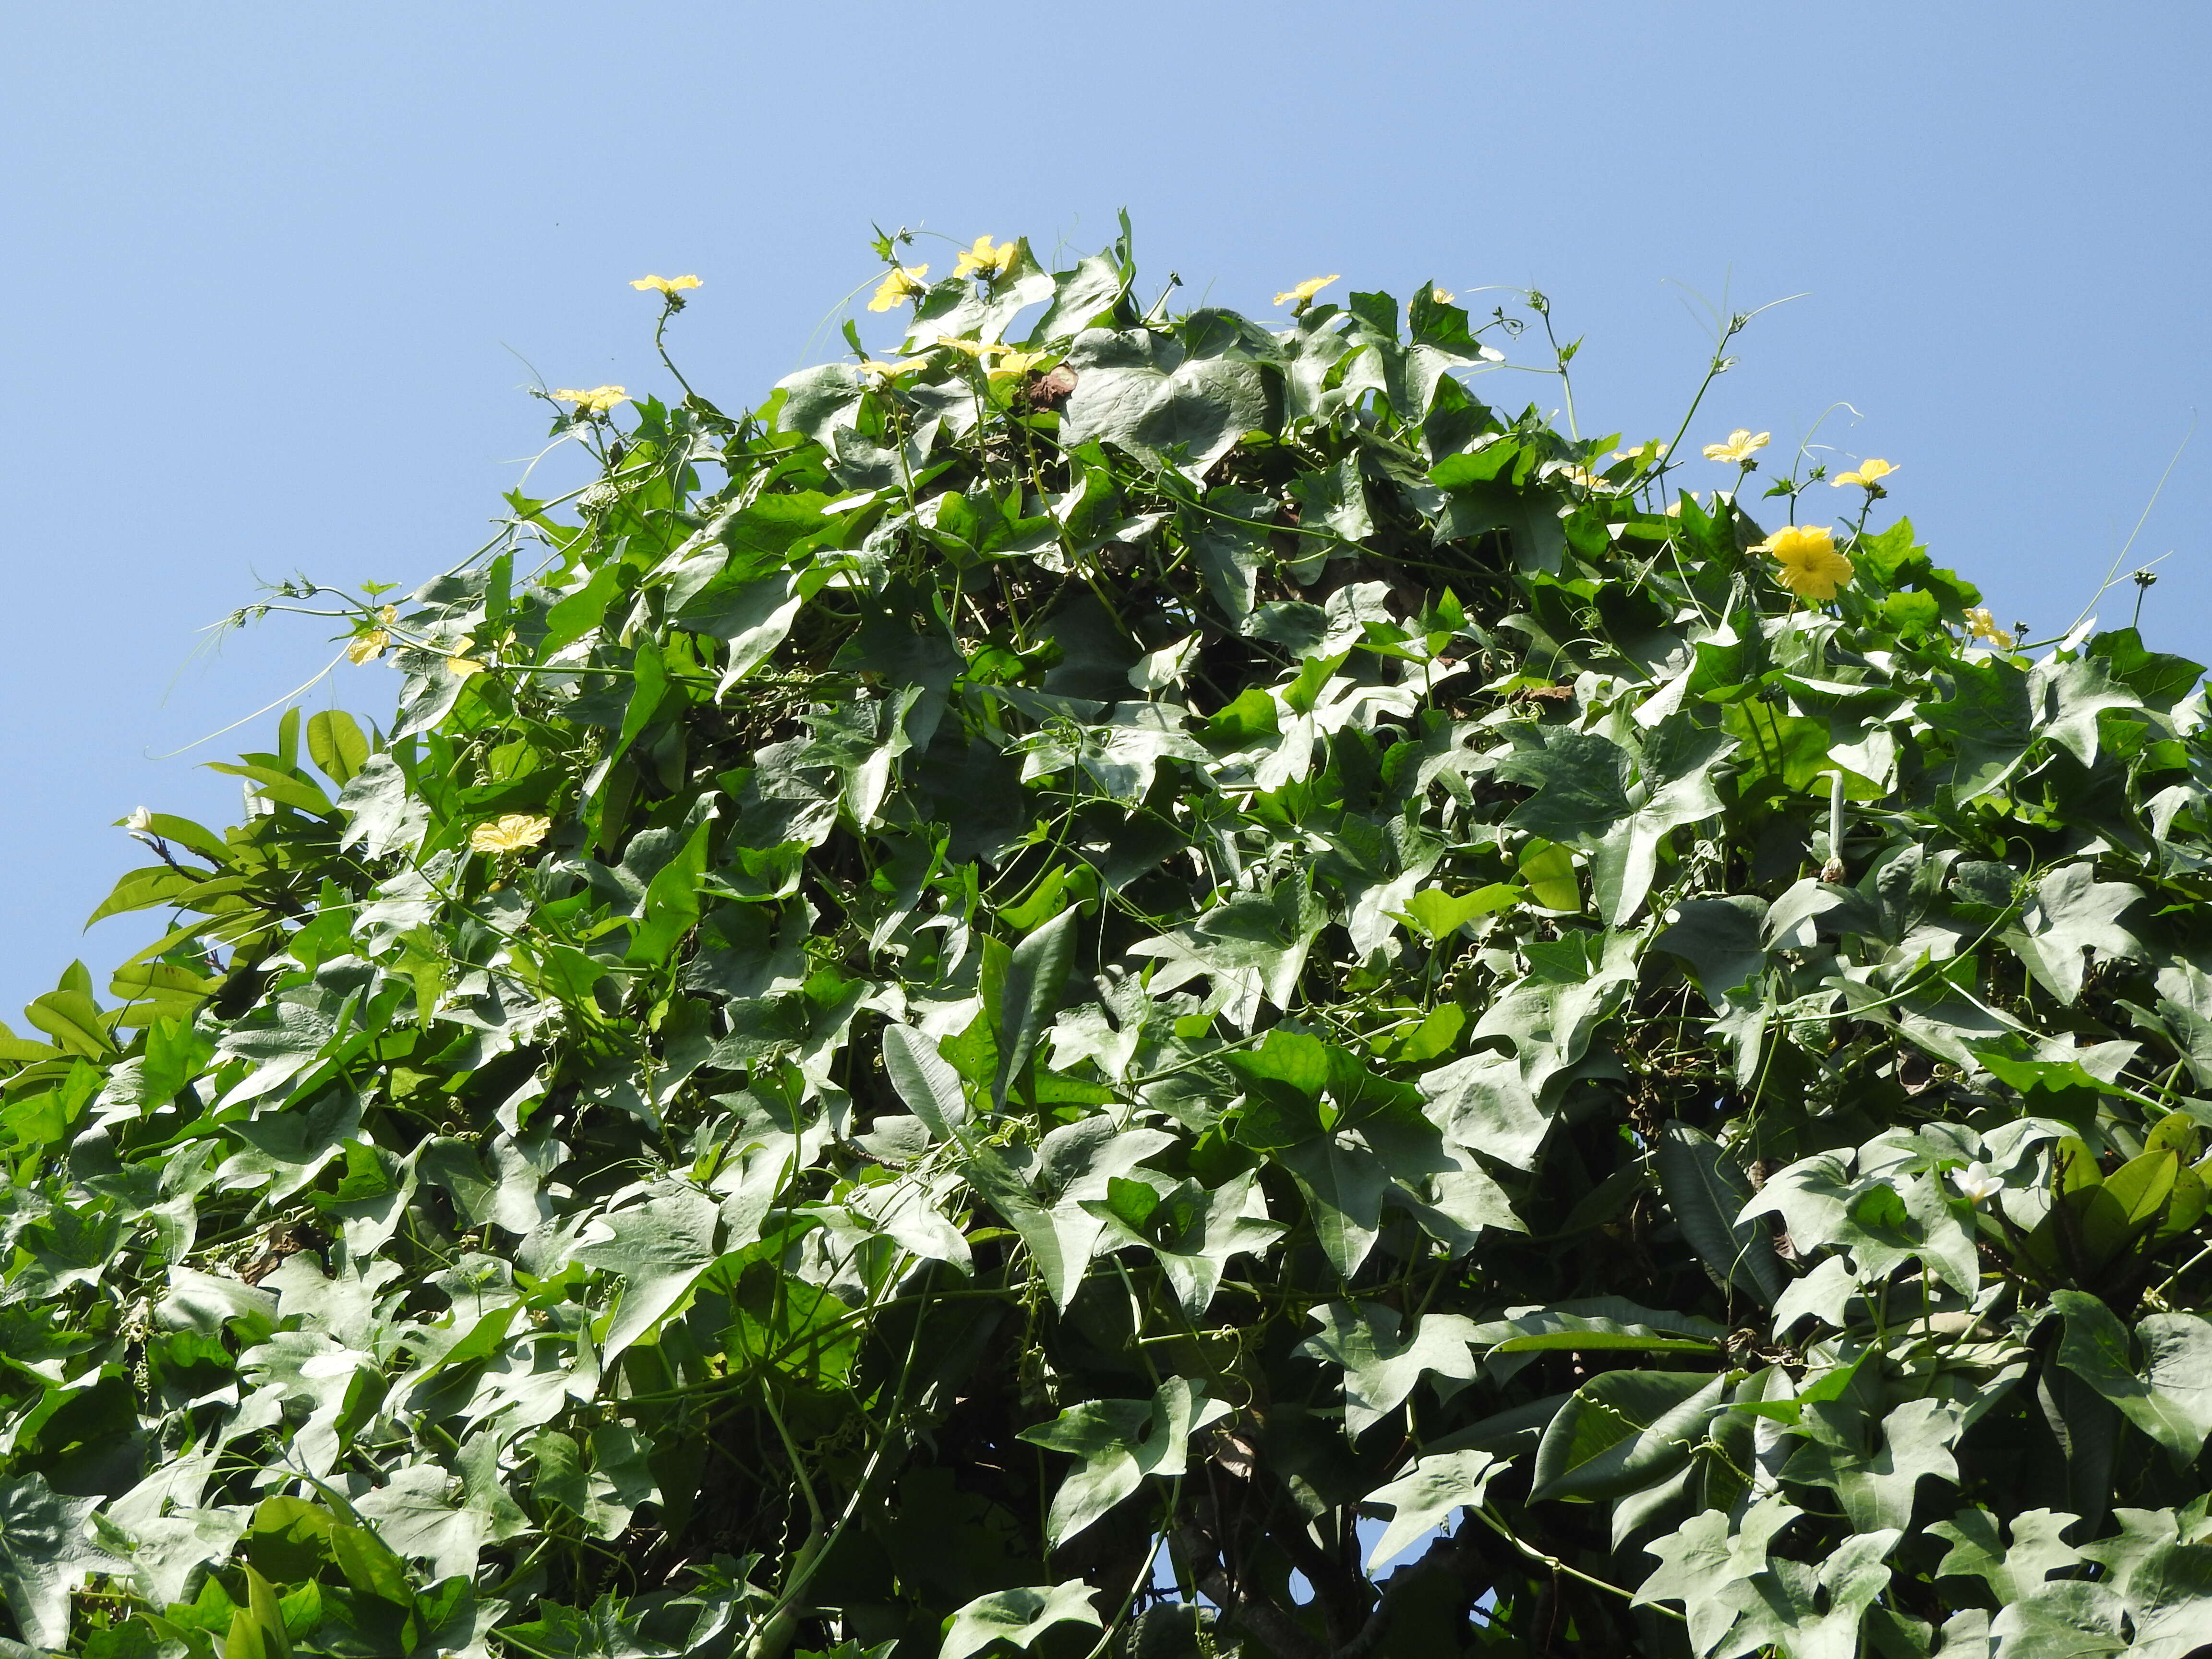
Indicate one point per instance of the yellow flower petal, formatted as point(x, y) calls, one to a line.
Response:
point(984, 260)
point(899, 285)
point(1305, 290)
point(597, 401)
point(1442, 296)
point(368, 647)
point(886, 370)
point(1810, 566)
point(665, 284)
point(1870, 473)
point(388, 614)
point(977, 348)
point(509, 834)
point(1741, 444)
point(461, 667)
point(1018, 362)
point(1981, 625)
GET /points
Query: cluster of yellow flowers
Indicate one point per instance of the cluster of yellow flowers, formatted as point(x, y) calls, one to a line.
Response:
point(903, 283)
point(1743, 443)
point(510, 834)
point(1009, 361)
point(1811, 566)
point(596, 401)
point(670, 285)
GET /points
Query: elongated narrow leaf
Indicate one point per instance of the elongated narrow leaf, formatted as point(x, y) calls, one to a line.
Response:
point(142, 889)
point(1623, 1431)
point(1598, 1341)
point(1705, 1193)
point(1034, 977)
point(930, 1088)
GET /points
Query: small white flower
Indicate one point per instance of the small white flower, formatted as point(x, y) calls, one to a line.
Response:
point(140, 823)
point(1976, 1182)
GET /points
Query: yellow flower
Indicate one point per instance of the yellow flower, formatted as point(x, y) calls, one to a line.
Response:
point(903, 283)
point(665, 284)
point(1018, 362)
point(1741, 444)
point(873, 367)
point(985, 260)
point(460, 666)
point(597, 401)
point(1980, 625)
point(978, 349)
point(368, 647)
point(1442, 296)
point(1811, 566)
point(1869, 473)
point(389, 615)
point(510, 834)
point(1304, 291)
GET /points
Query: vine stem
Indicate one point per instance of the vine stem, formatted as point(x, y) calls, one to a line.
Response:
point(774, 1634)
point(1553, 1562)
point(1144, 1577)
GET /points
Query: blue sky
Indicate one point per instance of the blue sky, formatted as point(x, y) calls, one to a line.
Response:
point(274, 277)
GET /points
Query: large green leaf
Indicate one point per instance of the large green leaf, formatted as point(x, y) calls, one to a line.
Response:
point(1034, 977)
point(1381, 1366)
point(2168, 1394)
point(672, 902)
point(1706, 1194)
point(1017, 1617)
point(45, 1555)
point(930, 1088)
point(1120, 1442)
point(660, 1248)
point(1625, 1430)
point(1425, 1497)
point(337, 744)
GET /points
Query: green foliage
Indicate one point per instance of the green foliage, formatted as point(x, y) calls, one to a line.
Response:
point(1171, 990)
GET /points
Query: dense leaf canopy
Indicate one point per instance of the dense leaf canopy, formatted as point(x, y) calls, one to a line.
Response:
point(1150, 985)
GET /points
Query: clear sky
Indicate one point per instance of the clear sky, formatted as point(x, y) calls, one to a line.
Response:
point(273, 276)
